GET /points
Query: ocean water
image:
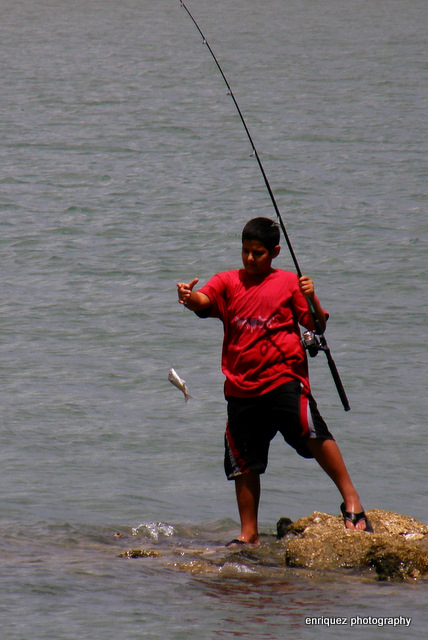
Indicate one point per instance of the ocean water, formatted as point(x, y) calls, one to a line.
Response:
point(125, 168)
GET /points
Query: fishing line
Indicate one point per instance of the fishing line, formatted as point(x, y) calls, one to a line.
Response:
point(319, 342)
point(256, 155)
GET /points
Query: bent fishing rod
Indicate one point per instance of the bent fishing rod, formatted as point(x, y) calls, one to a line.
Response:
point(312, 342)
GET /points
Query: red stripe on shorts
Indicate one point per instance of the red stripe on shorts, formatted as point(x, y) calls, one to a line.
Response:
point(238, 464)
point(304, 408)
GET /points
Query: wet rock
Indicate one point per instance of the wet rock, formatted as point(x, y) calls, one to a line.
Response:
point(197, 567)
point(397, 550)
point(283, 526)
point(140, 553)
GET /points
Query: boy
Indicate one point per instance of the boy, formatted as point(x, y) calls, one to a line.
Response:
point(267, 382)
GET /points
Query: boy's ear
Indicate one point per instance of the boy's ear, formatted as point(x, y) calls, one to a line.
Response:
point(275, 251)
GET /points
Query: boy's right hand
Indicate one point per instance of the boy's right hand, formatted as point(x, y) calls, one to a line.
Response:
point(184, 290)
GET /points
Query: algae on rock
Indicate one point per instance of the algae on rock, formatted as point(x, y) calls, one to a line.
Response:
point(398, 548)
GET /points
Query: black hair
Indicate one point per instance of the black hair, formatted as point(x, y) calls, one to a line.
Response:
point(264, 230)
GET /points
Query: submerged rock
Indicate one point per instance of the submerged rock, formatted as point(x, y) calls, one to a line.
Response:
point(140, 553)
point(398, 548)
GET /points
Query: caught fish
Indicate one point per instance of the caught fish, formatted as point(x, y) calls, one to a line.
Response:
point(175, 379)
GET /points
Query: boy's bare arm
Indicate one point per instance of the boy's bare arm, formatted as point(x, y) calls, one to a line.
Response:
point(308, 290)
point(193, 300)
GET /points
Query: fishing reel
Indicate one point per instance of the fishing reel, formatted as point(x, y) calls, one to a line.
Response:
point(311, 343)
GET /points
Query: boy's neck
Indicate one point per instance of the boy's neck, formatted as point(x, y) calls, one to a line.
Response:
point(259, 277)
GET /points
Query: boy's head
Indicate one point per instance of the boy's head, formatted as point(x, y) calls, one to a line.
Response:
point(263, 230)
point(260, 238)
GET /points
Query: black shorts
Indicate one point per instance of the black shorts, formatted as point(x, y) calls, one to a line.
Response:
point(253, 422)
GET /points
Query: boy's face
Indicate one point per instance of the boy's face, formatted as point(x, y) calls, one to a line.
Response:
point(257, 259)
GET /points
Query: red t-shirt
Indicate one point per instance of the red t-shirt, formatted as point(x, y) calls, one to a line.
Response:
point(261, 346)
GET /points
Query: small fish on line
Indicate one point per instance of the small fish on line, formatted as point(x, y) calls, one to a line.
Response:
point(175, 379)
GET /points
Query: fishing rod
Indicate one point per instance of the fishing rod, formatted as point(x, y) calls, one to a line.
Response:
point(313, 342)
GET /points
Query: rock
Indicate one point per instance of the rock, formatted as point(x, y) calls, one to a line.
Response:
point(397, 550)
point(283, 526)
point(140, 553)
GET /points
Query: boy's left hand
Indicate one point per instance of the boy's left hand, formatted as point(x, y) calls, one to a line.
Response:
point(307, 287)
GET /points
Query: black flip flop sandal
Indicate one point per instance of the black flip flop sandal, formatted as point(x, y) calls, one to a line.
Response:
point(236, 543)
point(355, 518)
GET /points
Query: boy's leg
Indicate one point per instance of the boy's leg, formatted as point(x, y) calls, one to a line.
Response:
point(328, 456)
point(247, 487)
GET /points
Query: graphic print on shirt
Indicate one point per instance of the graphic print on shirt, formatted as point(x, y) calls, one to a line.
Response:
point(253, 324)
